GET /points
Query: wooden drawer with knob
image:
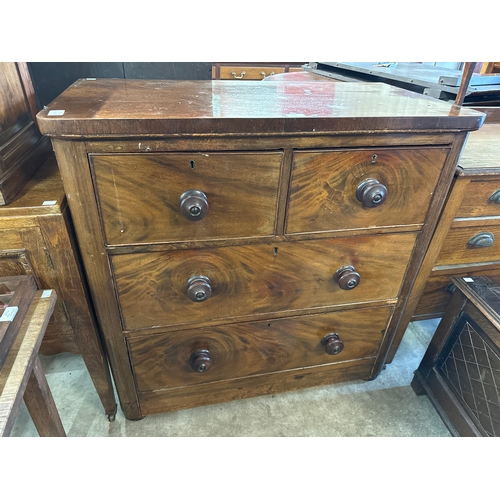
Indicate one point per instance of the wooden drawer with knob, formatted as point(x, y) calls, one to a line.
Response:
point(470, 244)
point(199, 285)
point(249, 72)
point(240, 350)
point(167, 197)
point(344, 189)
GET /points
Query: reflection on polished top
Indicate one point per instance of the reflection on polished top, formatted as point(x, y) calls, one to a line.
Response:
point(105, 107)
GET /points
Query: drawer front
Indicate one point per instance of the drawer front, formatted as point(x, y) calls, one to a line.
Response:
point(482, 199)
point(325, 185)
point(139, 195)
point(434, 298)
point(241, 350)
point(248, 73)
point(257, 279)
point(459, 246)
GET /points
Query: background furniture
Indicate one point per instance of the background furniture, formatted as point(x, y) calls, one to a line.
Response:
point(36, 238)
point(251, 70)
point(467, 239)
point(22, 147)
point(460, 372)
point(434, 81)
point(22, 375)
point(237, 249)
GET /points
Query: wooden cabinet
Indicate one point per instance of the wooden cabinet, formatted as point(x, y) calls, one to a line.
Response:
point(460, 372)
point(245, 238)
point(467, 238)
point(22, 147)
point(251, 70)
point(36, 238)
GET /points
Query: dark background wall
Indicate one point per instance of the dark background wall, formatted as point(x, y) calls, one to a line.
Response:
point(52, 78)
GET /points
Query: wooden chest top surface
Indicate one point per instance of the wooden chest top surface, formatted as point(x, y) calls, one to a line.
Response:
point(115, 107)
point(483, 148)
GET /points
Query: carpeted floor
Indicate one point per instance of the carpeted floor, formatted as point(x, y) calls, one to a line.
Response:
point(385, 407)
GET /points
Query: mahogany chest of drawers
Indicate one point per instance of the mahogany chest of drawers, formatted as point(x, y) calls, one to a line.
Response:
point(245, 238)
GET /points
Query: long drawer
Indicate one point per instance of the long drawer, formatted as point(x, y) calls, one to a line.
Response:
point(159, 288)
point(336, 190)
point(150, 198)
point(246, 349)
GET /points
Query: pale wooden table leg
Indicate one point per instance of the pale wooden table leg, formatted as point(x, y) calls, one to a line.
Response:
point(40, 404)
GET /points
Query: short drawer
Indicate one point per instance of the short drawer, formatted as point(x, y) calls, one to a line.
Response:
point(337, 190)
point(241, 350)
point(482, 199)
point(226, 195)
point(248, 73)
point(154, 288)
point(467, 245)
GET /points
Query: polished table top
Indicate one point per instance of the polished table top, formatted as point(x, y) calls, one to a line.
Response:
point(117, 107)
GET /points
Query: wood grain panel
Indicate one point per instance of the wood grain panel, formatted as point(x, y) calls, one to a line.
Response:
point(239, 350)
point(257, 279)
point(139, 195)
point(455, 249)
point(323, 189)
point(257, 385)
point(476, 202)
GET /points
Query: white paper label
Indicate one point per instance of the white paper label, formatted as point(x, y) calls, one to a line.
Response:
point(56, 112)
point(89, 78)
point(469, 280)
point(51, 202)
point(9, 314)
point(46, 293)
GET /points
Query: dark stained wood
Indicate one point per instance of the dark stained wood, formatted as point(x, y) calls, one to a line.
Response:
point(459, 371)
point(324, 183)
point(257, 385)
point(36, 239)
point(140, 288)
point(41, 405)
point(52, 78)
point(86, 220)
point(105, 108)
point(22, 147)
point(439, 218)
point(245, 349)
point(492, 113)
point(139, 195)
point(257, 279)
point(464, 83)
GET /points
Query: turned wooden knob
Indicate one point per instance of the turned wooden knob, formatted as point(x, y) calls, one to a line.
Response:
point(332, 343)
point(193, 204)
point(201, 361)
point(371, 193)
point(199, 288)
point(347, 277)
